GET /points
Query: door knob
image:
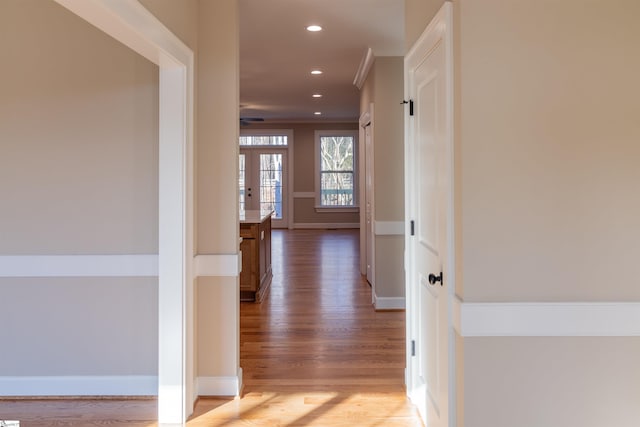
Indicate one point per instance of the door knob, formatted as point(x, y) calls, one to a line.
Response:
point(433, 279)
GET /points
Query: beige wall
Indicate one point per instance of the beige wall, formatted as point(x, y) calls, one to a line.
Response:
point(78, 123)
point(547, 145)
point(384, 88)
point(304, 171)
point(417, 15)
point(389, 138)
point(217, 186)
point(78, 175)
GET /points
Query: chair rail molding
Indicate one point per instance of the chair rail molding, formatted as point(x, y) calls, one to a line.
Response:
point(546, 319)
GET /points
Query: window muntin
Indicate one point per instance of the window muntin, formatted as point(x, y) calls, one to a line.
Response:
point(263, 140)
point(337, 170)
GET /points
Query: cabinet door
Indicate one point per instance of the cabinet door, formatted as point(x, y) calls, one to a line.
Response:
point(248, 277)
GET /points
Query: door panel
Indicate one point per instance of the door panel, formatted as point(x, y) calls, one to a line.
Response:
point(263, 182)
point(427, 190)
point(369, 204)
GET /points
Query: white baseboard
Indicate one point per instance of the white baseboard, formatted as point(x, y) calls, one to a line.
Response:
point(388, 303)
point(568, 319)
point(126, 385)
point(220, 386)
point(79, 265)
point(325, 226)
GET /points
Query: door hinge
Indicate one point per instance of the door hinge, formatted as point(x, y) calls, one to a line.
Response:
point(413, 228)
point(410, 102)
point(413, 348)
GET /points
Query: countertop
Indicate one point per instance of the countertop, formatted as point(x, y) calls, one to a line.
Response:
point(254, 216)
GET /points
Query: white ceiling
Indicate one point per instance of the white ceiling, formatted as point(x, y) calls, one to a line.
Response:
point(277, 55)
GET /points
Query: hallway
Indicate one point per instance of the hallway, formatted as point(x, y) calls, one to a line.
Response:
point(315, 353)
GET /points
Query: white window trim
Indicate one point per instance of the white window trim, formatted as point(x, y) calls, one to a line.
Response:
point(337, 209)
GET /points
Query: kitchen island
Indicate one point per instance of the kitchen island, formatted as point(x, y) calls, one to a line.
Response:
point(256, 274)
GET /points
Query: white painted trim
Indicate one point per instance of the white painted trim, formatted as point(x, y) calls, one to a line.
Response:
point(134, 26)
point(116, 385)
point(388, 228)
point(323, 225)
point(548, 319)
point(363, 69)
point(317, 162)
point(220, 386)
point(304, 195)
point(388, 303)
point(227, 265)
point(79, 266)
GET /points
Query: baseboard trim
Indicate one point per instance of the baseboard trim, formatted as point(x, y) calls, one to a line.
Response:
point(325, 226)
point(126, 385)
point(562, 319)
point(388, 303)
point(220, 386)
point(228, 265)
point(143, 265)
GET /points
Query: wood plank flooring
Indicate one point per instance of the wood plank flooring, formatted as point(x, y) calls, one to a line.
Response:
point(314, 353)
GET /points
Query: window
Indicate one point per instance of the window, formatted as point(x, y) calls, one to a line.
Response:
point(253, 140)
point(336, 169)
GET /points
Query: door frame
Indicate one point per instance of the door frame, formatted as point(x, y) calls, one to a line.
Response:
point(289, 149)
point(271, 149)
point(439, 30)
point(134, 26)
point(366, 119)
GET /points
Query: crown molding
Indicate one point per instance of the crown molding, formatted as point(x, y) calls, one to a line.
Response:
point(364, 68)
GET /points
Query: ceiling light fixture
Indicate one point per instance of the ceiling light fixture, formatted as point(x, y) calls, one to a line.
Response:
point(317, 95)
point(314, 28)
point(317, 113)
point(316, 72)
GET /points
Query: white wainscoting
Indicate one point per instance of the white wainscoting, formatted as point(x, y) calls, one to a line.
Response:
point(127, 385)
point(79, 265)
point(388, 228)
point(546, 319)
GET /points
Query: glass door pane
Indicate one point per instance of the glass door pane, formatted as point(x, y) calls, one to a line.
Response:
point(241, 181)
point(271, 183)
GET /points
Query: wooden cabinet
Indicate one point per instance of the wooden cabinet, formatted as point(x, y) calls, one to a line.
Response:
point(256, 275)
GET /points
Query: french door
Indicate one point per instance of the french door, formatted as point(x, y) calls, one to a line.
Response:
point(263, 182)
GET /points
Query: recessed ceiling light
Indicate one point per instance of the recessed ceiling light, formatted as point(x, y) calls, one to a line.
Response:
point(314, 28)
point(317, 113)
point(316, 72)
point(317, 95)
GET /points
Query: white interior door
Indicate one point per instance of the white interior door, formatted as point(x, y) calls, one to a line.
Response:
point(263, 182)
point(369, 203)
point(428, 206)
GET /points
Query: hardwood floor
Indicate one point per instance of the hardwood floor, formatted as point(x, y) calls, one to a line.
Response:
point(314, 353)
